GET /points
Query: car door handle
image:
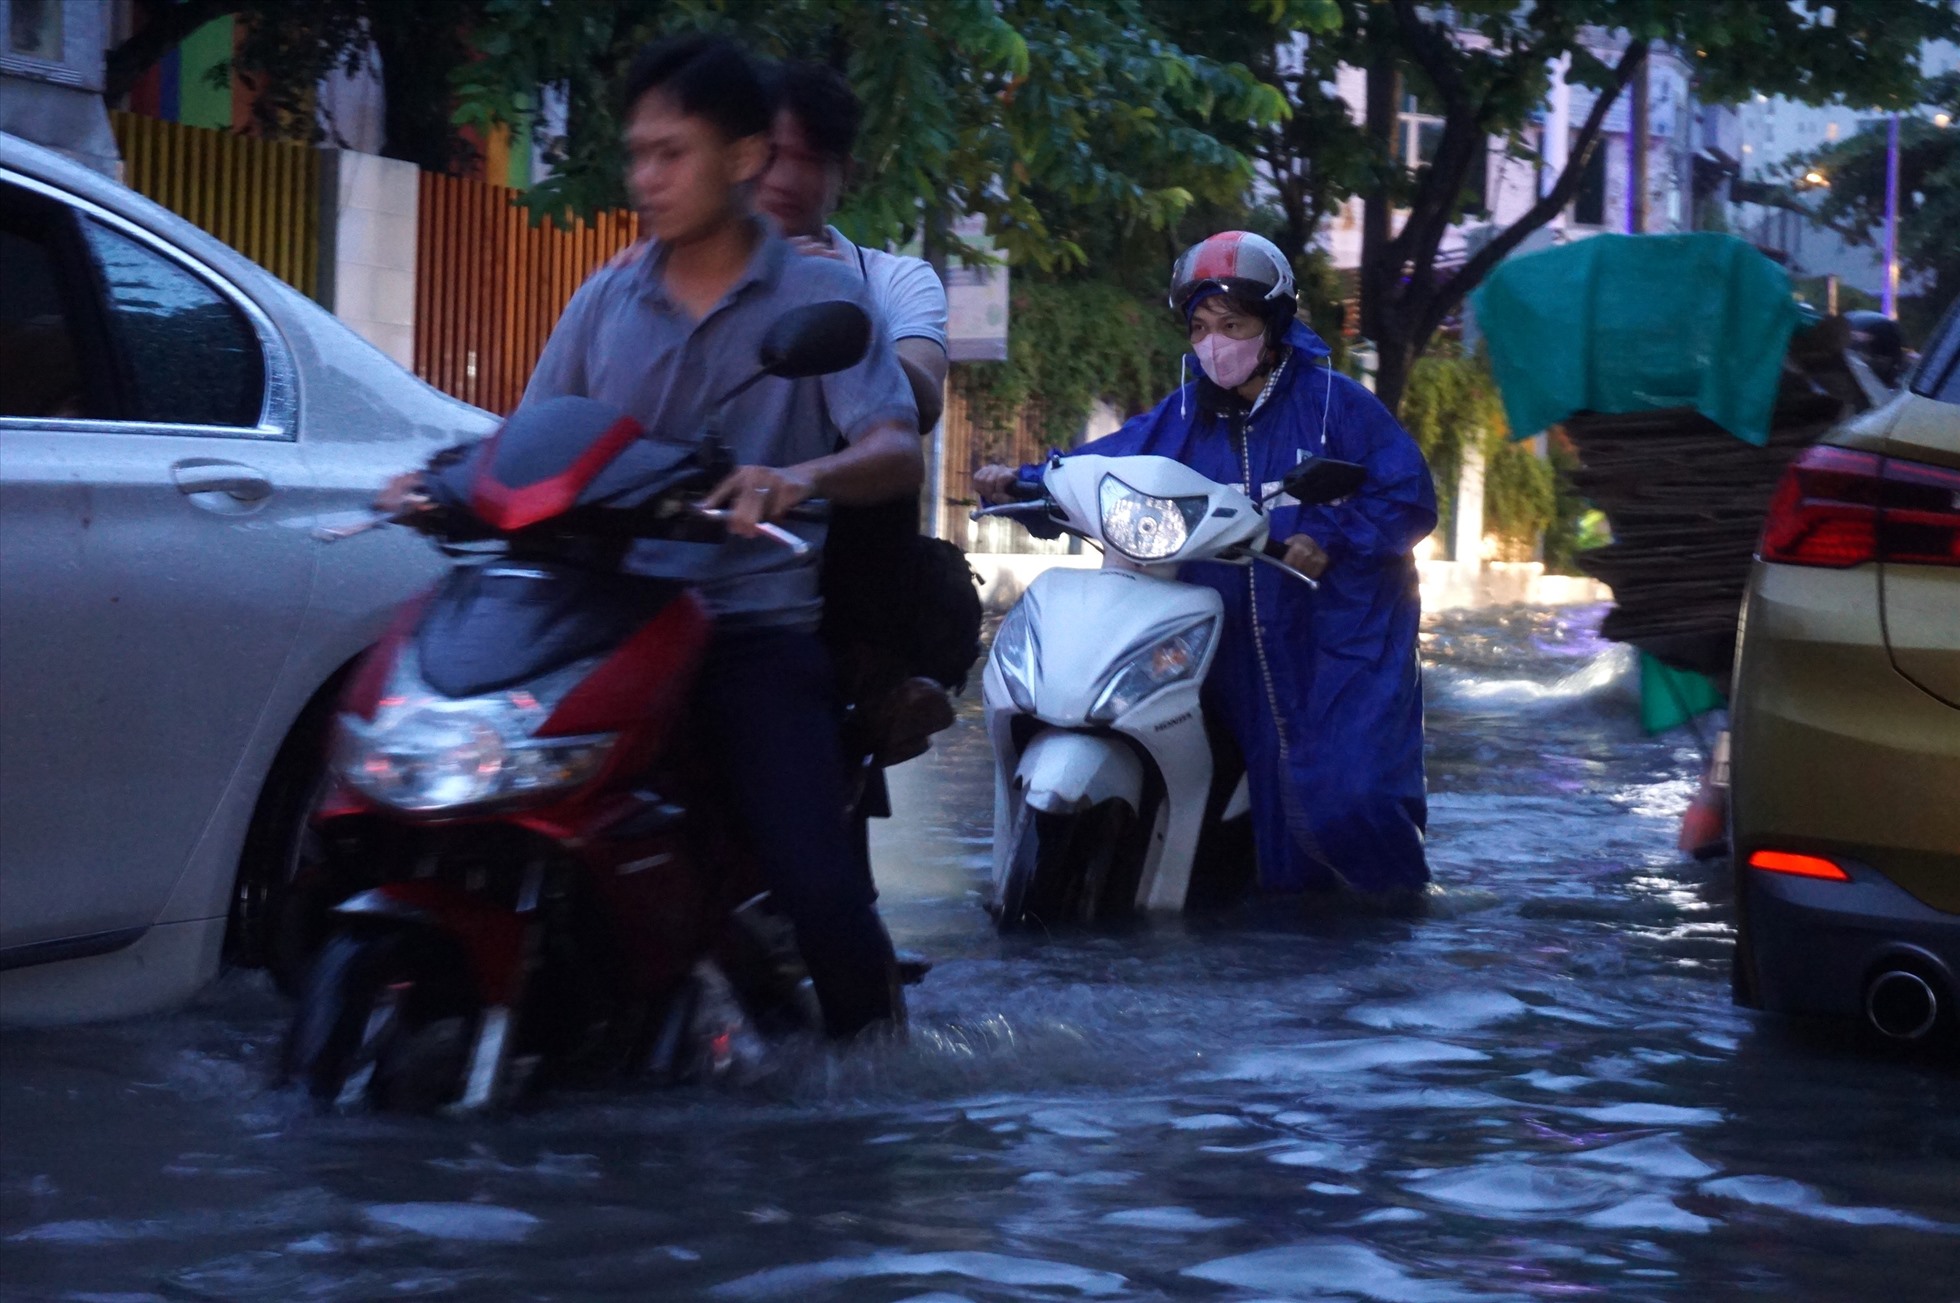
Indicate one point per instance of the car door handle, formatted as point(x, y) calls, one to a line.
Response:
point(228, 477)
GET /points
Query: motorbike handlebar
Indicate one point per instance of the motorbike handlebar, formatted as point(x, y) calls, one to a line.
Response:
point(419, 512)
point(1027, 491)
point(424, 514)
point(1273, 553)
point(775, 533)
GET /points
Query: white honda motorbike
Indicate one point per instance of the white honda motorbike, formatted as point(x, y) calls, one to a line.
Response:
point(1112, 796)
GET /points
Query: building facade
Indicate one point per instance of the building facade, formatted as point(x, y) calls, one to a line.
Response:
point(52, 77)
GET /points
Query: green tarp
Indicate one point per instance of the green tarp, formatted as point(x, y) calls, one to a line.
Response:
point(1633, 323)
point(1670, 698)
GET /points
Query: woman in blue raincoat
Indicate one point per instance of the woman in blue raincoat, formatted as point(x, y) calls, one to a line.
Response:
point(1320, 688)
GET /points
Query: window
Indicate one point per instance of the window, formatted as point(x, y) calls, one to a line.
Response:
point(1420, 135)
point(189, 357)
point(1589, 204)
point(40, 364)
point(34, 29)
point(1476, 186)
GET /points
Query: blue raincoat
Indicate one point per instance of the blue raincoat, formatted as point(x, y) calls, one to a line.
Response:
point(1321, 689)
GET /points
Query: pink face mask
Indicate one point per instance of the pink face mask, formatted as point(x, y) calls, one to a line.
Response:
point(1229, 362)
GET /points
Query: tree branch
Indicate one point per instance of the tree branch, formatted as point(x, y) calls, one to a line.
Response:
point(1438, 187)
point(165, 30)
point(1479, 266)
point(1380, 256)
point(1432, 50)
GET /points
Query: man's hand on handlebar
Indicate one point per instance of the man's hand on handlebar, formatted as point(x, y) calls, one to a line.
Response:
point(402, 496)
point(754, 495)
point(996, 483)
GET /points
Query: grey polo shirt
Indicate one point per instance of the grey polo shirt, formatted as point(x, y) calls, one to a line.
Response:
point(623, 342)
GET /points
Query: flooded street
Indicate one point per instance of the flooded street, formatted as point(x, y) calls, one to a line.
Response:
point(1538, 1091)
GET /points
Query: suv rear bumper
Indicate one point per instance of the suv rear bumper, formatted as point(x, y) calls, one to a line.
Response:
point(1811, 946)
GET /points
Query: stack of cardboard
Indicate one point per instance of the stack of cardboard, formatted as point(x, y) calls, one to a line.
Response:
point(1686, 500)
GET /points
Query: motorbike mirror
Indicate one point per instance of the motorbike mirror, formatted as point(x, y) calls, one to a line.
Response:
point(1320, 480)
point(815, 340)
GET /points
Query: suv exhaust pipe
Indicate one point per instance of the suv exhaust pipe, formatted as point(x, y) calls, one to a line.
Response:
point(1901, 1005)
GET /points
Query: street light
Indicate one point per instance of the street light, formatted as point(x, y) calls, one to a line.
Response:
point(1815, 178)
point(1942, 120)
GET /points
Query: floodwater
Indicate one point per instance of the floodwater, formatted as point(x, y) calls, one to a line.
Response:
point(1537, 1091)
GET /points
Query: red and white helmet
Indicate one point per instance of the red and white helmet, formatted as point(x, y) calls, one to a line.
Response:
point(1245, 265)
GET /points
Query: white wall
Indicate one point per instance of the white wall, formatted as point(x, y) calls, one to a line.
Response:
point(368, 232)
point(54, 97)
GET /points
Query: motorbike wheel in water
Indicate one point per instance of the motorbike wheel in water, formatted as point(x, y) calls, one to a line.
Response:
point(388, 1016)
point(1062, 869)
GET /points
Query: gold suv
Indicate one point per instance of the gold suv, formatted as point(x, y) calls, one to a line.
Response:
point(1845, 773)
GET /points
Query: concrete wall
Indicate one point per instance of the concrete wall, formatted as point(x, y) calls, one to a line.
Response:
point(1452, 585)
point(52, 95)
point(1446, 585)
point(367, 233)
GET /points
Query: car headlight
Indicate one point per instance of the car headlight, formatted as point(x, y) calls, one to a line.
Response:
point(1144, 528)
point(423, 752)
point(1173, 658)
point(1018, 654)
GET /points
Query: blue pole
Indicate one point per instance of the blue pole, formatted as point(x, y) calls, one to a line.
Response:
point(1891, 296)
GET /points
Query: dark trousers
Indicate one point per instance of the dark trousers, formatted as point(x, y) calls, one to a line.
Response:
point(767, 710)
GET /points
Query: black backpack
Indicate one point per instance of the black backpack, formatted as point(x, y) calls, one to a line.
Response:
point(913, 598)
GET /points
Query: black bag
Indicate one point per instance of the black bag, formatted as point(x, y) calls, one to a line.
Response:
point(911, 599)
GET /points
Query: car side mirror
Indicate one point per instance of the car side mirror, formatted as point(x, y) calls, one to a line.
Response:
point(1320, 480)
point(816, 340)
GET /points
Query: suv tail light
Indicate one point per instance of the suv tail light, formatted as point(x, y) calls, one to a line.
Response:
point(1801, 866)
point(1838, 508)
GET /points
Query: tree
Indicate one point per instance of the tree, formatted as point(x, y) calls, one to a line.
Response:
point(162, 28)
point(1484, 67)
point(287, 46)
point(1053, 119)
point(1929, 191)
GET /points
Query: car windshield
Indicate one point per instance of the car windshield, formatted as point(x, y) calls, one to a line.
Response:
point(1938, 374)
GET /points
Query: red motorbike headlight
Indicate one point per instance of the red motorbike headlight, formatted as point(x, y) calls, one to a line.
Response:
point(427, 753)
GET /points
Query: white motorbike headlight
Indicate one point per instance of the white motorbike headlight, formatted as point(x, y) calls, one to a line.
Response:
point(1144, 528)
point(423, 752)
point(1017, 653)
point(1173, 658)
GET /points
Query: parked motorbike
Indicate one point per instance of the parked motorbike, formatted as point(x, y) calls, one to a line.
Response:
point(1113, 797)
point(532, 884)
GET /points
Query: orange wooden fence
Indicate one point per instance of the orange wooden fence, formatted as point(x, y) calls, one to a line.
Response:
point(970, 444)
point(262, 197)
point(489, 286)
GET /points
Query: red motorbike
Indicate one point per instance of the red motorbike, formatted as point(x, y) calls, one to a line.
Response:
point(530, 884)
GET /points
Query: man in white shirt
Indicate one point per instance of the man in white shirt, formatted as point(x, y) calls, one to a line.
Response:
point(814, 137)
point(815, 132)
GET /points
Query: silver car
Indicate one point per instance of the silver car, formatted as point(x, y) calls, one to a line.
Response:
point(175, 424)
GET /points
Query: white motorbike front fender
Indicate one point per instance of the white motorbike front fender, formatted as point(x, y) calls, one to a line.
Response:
point(1062, 772)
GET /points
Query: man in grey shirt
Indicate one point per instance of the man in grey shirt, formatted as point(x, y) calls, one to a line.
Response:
point(661, 336)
